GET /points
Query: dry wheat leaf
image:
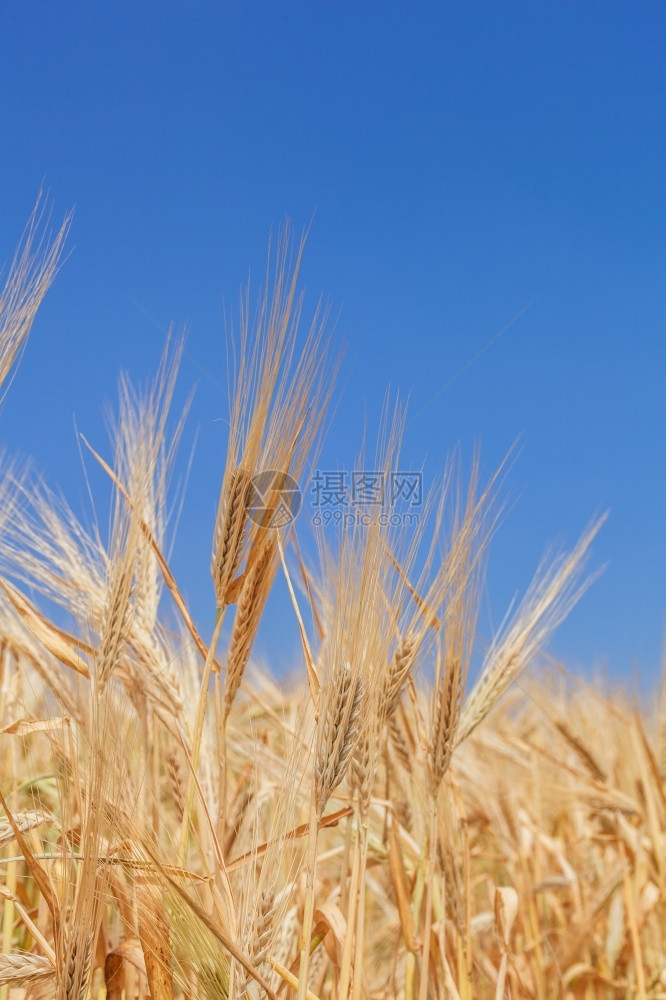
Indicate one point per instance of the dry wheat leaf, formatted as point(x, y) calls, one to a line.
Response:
point(331, 915)
point(401, 889)
point(22, 727)
point(60, 644)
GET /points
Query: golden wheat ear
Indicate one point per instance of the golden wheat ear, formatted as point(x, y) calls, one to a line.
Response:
point(254, 593)
point(280, 388)
point(231, 532)
point(553, 592)
point(31, 274)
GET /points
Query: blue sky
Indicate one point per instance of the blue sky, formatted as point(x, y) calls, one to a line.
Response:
point(457, 162)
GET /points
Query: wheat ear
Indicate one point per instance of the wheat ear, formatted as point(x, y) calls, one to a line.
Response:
point(230, 532)
point(251, 602)
point(552, 594)
point(339, 731)
point(74, 983)
point(399, 671)
point(117, 616)
point(24, 968)
point(30, 276)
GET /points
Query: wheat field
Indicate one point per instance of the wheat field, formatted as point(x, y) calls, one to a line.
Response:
point(390, 822)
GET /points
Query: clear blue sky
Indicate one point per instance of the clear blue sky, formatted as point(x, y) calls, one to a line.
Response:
point(459, 159)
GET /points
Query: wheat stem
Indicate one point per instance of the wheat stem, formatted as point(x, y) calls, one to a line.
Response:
point(346, 959)
point(8, 918)
point(308, 908)
point(430, 874)
point(198, 733)
point(360, 918)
